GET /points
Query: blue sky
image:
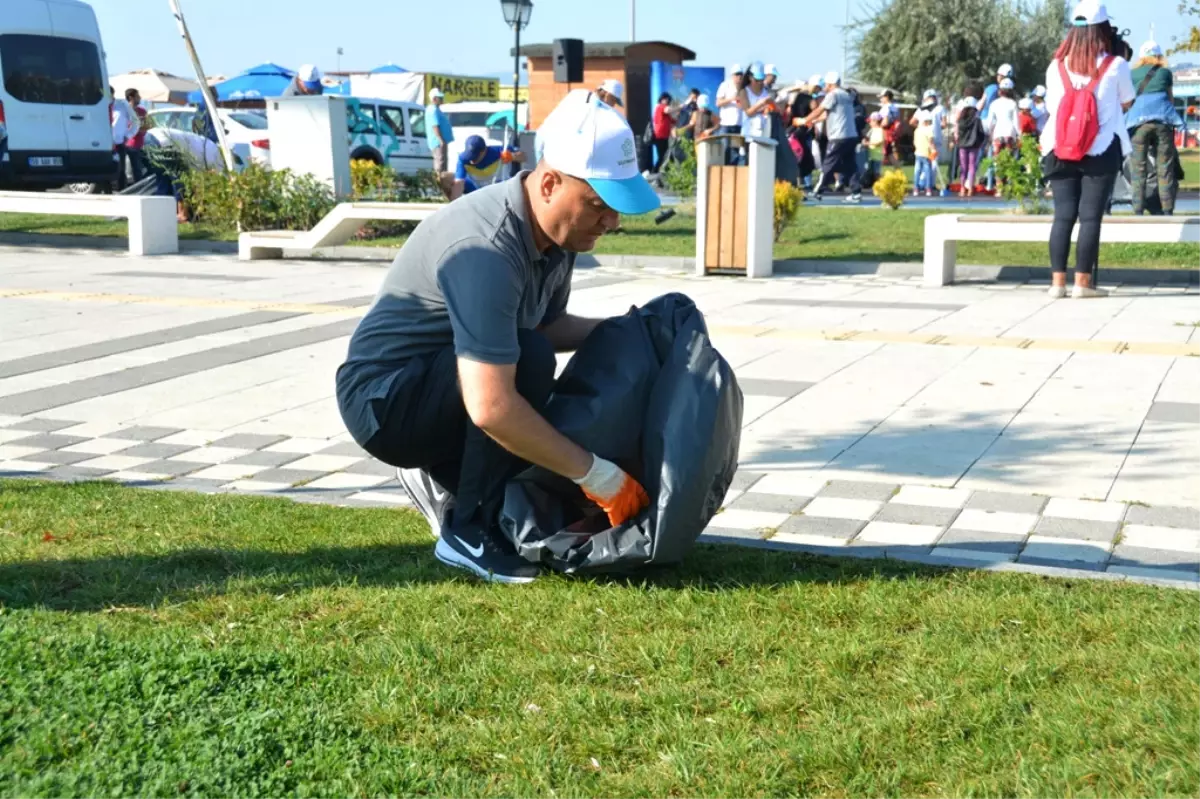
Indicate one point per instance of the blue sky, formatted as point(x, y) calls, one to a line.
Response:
point(469, 36)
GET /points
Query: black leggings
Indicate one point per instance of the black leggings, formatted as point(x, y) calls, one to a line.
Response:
point(1081, 192)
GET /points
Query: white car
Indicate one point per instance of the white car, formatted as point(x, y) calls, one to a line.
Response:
point(246, 130)
point(480, 118)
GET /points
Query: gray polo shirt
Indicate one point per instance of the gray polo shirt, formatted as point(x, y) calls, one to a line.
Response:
point(468, 277)
point(839, 124)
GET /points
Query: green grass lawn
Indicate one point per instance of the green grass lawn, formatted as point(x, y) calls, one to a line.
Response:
point(52, 224)
point(1190, 160)
point(163, 643)
point(819, 233)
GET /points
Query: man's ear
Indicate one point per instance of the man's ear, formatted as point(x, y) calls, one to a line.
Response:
point(547, 183)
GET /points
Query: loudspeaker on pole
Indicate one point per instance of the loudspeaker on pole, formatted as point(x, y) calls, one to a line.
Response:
point(568, 60)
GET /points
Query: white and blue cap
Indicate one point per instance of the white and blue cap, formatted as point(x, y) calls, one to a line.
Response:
point(832, 78)
point(592, 142)
point(757, 72)
point(1005, 70)
point(1150, 48)
point(1039, 91)
point(705, 102)
point(1006, 83)
point(771, 70)
point(735, 69)
point(310, 77)
point(1089, 12)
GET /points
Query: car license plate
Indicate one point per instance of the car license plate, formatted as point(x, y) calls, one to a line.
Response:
point(45, 160)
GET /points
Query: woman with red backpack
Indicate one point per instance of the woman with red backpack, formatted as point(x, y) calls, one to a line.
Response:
point(1084, 142)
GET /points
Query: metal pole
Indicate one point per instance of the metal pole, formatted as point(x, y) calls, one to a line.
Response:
point(516, 88)
point(205, 89)
point(633, 20)
point(845, 30)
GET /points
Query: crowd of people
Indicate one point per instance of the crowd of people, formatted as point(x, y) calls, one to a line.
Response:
point(835, 143)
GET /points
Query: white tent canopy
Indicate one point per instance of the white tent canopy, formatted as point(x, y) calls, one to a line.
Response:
point(154, 86)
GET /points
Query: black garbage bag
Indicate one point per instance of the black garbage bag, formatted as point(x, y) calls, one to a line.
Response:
point(648, 391)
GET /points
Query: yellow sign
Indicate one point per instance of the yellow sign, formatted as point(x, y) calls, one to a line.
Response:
point(458, 88)
point(506, 94)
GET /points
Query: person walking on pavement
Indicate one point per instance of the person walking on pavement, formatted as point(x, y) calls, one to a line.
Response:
point(124, 125)
point(837, 111)
point(664, 124)
point(306, 82)
point(990, 93)
point(135, 144)
point(730, 112)
point(970, 136)
point(439, 132)
point(1083, 147)
point(448, 373)
point(1151, 122)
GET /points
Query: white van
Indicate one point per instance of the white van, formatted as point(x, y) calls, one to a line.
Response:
point(388, 132)
point(54, 126)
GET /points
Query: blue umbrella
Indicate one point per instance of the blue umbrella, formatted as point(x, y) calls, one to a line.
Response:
point(389, 69)
point(256, 83)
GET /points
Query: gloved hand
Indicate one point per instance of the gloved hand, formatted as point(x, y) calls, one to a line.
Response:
point(617, 494)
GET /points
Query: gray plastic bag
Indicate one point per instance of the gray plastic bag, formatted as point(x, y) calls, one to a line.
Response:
point(648, 391)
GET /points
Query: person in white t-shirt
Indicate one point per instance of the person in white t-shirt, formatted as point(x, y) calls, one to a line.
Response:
point(1003, 125)
point(1082, 188)
point(730, 112)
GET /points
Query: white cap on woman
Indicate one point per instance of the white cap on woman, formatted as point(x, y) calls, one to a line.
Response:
point(1089, 12)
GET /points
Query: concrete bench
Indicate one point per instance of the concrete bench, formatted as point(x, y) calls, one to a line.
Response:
point(337, 227)
point(153, 227)
point(944, 231)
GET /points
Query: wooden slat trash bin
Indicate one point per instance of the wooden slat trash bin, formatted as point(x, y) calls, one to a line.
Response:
point(735, 207)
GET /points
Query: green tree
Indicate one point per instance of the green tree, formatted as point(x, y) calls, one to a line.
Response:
point(1192, 42)
point(912, 45)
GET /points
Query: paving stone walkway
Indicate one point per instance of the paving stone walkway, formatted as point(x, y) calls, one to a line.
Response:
point(978, 425)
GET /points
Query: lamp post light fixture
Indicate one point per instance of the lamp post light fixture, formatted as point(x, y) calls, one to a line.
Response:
point(516, 14)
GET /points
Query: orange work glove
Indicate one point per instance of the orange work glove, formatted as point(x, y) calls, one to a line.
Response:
point(505, 157)
point(617, 494)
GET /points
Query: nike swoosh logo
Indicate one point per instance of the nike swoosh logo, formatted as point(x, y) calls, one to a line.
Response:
point(436, 495)
point(475, 551)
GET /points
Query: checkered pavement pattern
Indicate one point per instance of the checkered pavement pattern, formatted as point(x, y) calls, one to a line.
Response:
point(779, 510)
point(303, 469)
point(958, 526)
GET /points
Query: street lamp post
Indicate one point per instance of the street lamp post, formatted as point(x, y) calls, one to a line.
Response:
point(516, 14)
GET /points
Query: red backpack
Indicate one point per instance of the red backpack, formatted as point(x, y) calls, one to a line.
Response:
point(1077, 121)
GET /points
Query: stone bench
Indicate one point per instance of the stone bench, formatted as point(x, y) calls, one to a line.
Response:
point(336, 228)
point(944, 231)
point(153, 227)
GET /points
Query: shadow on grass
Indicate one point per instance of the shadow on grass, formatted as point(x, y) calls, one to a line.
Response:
point(88, 584)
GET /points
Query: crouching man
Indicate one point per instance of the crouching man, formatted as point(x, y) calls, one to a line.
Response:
point(448, 372)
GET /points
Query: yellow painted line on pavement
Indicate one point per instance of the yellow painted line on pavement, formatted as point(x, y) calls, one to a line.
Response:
point(955, 340)
point(175, 302)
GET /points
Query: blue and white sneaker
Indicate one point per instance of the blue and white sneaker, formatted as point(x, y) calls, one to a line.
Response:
point(484, 554)
point(431, 499)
